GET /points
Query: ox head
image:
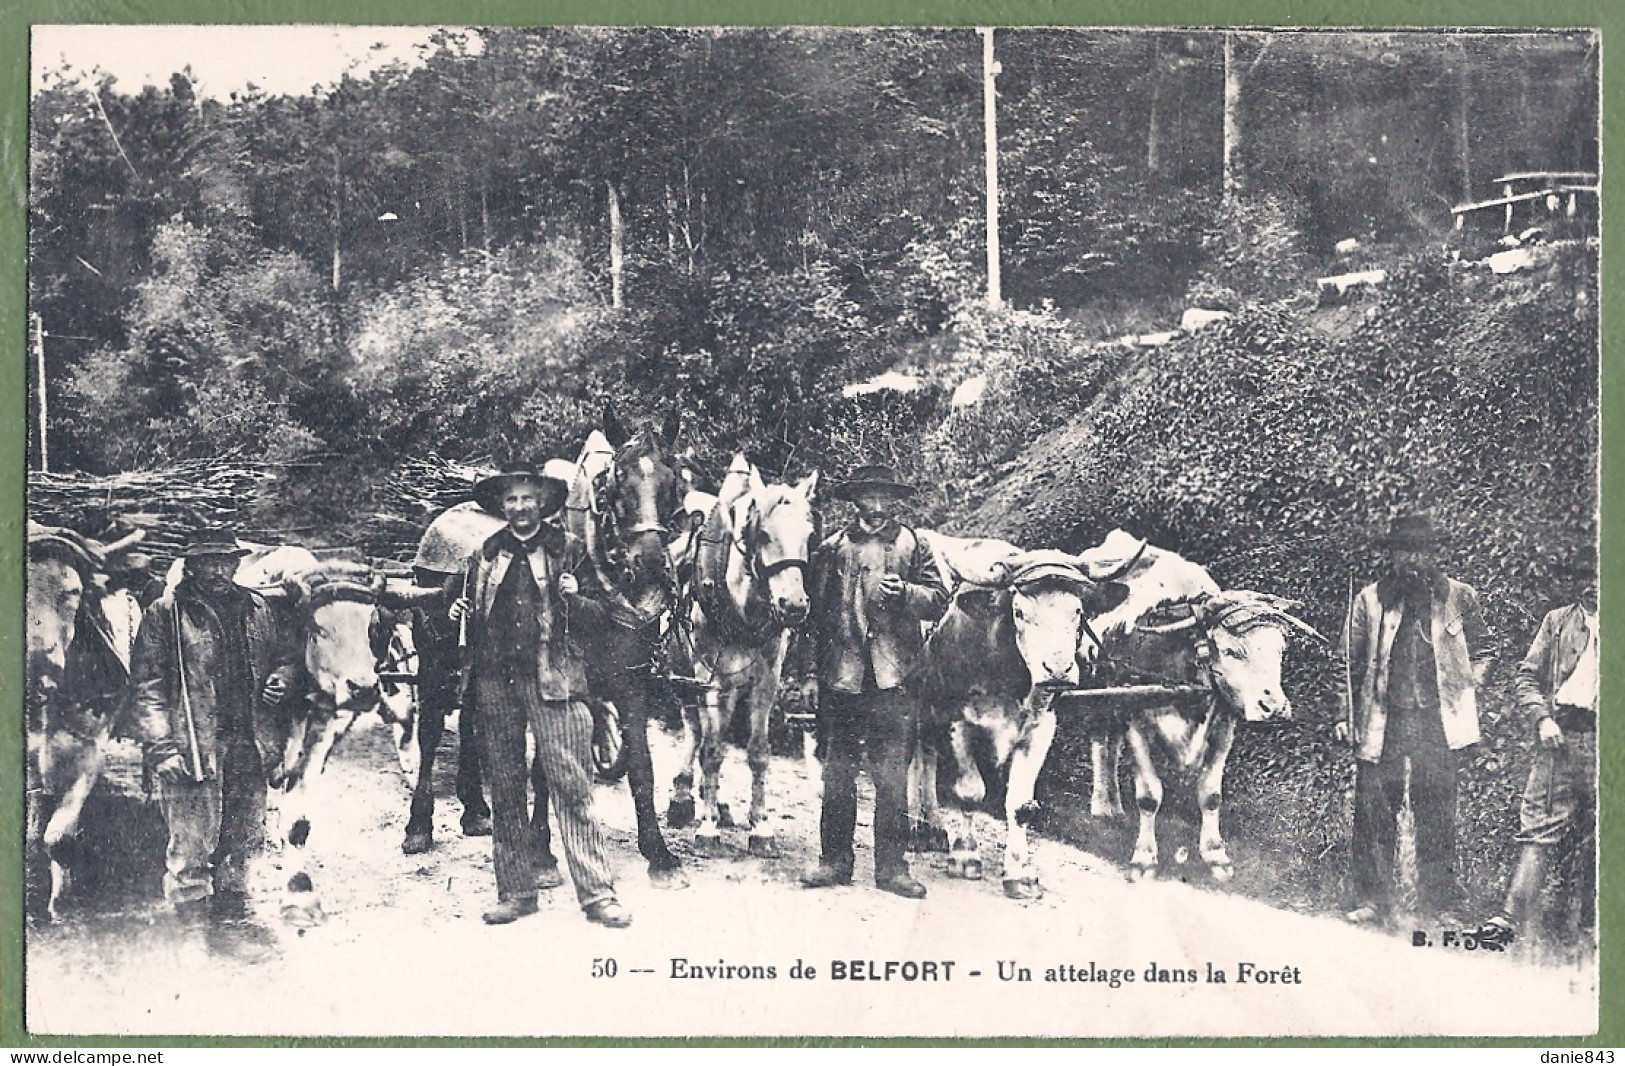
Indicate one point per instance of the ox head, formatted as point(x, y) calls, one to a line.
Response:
point(1051, 603)
point(337, 605)
point(65, 569)
point(1242, 641)
point(777, 533)
point(56, 590)
point(641, 493)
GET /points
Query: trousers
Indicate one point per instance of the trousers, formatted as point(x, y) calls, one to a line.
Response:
point(877, 727)
point(1379, 793)
point(509, 702)
point(216, 826)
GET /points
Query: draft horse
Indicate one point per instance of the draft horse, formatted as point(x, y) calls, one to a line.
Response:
point(750, 592)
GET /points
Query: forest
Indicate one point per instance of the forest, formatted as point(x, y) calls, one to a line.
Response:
point(463, 258)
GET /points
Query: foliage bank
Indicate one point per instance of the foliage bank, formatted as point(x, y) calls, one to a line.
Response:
point(1273, 446)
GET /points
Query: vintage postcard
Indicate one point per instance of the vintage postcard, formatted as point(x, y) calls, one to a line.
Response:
point(682, 531)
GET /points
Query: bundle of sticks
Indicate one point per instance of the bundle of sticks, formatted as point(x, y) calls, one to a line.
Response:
point(170, 504)
point(408, 499)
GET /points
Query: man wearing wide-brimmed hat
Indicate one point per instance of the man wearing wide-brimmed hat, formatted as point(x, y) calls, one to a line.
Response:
point(873, 583)
point(1415, 650)
point(208, 668)
point(1557, 688)
point(522, 603)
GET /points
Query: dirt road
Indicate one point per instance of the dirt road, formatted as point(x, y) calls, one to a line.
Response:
point(404, 951)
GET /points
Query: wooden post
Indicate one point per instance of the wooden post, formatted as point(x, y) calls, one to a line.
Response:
point(37, 333)
point(990, 136)
point(616, 252)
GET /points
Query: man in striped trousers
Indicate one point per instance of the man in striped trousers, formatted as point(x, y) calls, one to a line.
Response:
point(520, 598)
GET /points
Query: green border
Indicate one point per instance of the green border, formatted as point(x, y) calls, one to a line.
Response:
point(16, 16)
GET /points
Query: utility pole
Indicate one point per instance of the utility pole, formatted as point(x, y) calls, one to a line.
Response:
point(616, 252)
point(990, 140)
point(37, 334)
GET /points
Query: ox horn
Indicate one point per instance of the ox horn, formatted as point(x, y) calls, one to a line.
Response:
point(1169, 627)
point(1123, 570)
point(123, 544)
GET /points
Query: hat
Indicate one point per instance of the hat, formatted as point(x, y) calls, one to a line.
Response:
point(214, 542)
point(488, 491)
point(1410, 532)
point(876, 478)
point(1580, 561)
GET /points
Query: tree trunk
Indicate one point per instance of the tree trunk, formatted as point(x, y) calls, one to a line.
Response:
point(1464, 157)
point(1232, 118)
point(990, 151)
point(485, 223)
point(616, 236)
point(338, 216)
point(1153, 133)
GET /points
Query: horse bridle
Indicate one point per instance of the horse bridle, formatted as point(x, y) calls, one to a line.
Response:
point(761, 574)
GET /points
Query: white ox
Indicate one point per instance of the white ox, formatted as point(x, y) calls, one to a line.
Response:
point(1224, 648)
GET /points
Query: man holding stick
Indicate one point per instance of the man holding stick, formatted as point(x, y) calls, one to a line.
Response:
point(208, 669)
point(519, 601)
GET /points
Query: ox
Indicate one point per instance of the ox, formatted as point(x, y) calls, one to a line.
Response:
point(79, 639)
point(988, 677)
point(750, 591)
point(1218, 653)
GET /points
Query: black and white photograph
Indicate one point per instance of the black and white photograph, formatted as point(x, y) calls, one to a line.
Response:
point(712, 532)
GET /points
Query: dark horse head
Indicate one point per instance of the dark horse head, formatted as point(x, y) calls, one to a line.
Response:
point(638, 496)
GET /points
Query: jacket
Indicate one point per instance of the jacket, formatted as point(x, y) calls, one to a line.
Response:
point(854, 629)
point(159, 718)
point(560, 660)
point(1461, 655)
point(1553, 655)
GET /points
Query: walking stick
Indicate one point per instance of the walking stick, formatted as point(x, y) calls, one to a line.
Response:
point(186, 699)
point(1348, 657)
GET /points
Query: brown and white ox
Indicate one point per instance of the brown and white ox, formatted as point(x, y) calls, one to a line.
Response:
point(79, 638)
point(333, 609)
point(736, 637)
point(1224, 648)
point(987, 678)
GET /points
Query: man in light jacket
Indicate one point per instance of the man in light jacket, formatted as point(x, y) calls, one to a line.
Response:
point(1557, 689)
point(1415, 650)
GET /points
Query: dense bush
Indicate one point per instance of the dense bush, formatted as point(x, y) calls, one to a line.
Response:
point(231, 354)
point(1272, 447)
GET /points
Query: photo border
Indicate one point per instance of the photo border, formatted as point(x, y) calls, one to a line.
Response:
point(18, 15)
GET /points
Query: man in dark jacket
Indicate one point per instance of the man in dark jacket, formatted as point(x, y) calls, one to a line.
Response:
point(873, 583)
point(208, 669)
point(522, 599)
point(1557, 689)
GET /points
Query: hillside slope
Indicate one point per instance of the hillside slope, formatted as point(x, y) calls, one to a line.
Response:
point(1272, 447)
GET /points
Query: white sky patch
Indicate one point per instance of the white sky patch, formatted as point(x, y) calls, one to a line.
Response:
point(290, 60)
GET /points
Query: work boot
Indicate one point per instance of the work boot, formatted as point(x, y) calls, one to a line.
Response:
point(608, 912)
point(510, 910)
point(901, 884)
point(826, 875)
